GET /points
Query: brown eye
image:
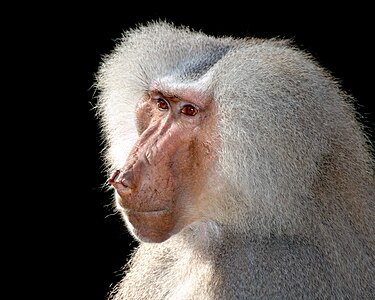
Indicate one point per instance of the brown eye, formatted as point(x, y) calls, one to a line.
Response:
point(189, 110)
point(162, 104)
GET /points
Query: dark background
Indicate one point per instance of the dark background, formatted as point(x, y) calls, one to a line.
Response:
point(71, 244)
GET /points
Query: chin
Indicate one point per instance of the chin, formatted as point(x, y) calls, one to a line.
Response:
point(151, 227)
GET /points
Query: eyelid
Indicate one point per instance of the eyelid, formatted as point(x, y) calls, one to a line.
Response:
point(196, 109)
point(161, 99)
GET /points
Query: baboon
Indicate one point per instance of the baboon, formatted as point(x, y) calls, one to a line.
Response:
point(239, 165)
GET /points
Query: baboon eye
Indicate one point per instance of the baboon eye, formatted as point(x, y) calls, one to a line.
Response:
point(162, 104)
point(189, 110)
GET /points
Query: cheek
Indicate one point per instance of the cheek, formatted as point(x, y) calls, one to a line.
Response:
point(192, 166)
point(188, 168)
point(195, 156)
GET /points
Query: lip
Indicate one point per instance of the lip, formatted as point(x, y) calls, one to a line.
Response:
point(154, 212)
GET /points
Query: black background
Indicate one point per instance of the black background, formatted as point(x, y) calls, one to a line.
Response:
point(68, 244)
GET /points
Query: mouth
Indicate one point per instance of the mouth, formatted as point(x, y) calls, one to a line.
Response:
point(154, 212)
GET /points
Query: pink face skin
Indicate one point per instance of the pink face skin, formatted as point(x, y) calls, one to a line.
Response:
point(160, 183)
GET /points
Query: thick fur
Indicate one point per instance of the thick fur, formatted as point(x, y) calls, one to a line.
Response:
point(292, 193)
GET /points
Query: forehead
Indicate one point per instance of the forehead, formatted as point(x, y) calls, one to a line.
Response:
point(196, 91)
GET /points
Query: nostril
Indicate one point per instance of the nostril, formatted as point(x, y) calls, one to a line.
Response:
point(114, 177)
point(125, 182)
point(120, 180)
